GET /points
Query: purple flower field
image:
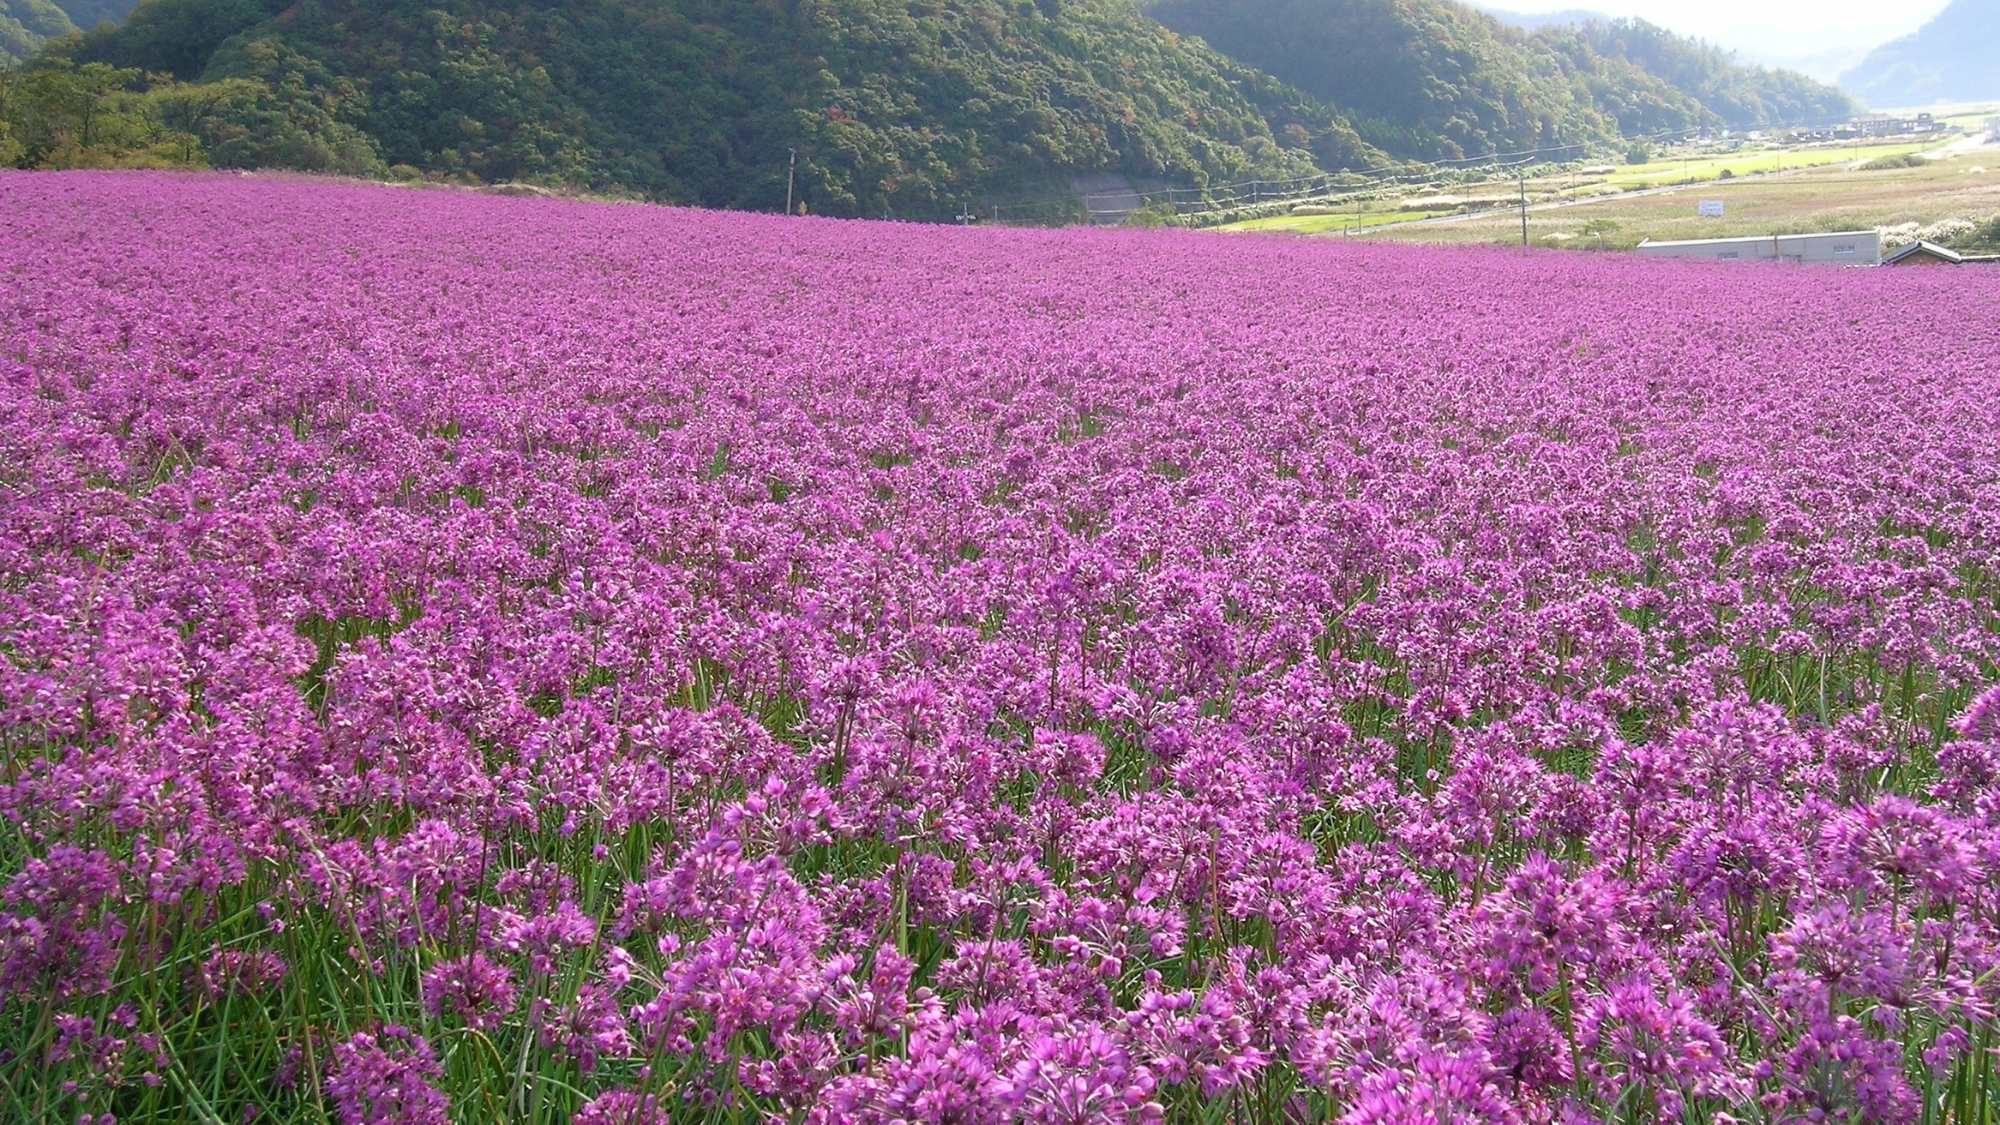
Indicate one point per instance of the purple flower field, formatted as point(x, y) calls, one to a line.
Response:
point(479, 659)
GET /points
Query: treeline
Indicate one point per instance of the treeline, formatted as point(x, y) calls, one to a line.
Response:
point(904, 107)
point(58, 113)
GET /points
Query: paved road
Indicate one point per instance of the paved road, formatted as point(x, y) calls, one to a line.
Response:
point(1966, 143)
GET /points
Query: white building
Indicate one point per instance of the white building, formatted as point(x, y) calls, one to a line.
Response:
point(1840, 248)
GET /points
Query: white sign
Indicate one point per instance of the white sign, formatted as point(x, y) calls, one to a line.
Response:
point(1711, 208)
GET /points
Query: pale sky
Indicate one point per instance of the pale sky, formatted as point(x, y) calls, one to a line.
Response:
point(1821, 37)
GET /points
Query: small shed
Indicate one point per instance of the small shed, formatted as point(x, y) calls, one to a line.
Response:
point(1921, 253)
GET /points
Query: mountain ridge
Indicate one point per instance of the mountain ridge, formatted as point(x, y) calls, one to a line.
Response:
point(1440, 79)
point(26, 25)
point(1535, 21)
point(910, 108)
point(1955, 56)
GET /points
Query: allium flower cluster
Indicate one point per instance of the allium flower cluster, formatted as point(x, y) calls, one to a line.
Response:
point(387, 1077)
point(732, 666)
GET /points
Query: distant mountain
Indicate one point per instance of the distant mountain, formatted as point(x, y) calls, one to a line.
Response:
point(909, 109)
point(1429, 78)
point(1742, 96)
point(26, 24)
point(1954, 58)
point(1438, 79)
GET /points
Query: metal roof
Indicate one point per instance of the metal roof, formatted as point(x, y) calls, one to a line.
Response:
point(1941, 253)
point(1761, 238)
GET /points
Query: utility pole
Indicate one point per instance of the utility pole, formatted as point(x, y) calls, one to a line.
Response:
point(1524, 209)
point(791, 170)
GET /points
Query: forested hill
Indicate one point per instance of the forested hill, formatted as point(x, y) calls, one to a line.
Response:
point(27, 24)
point(1438, 79)
point(1742, 96)
point(912, 109)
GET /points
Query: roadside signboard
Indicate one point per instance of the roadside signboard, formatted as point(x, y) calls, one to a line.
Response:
point(1712, 208)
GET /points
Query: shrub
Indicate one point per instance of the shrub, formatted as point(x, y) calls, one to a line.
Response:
point(1899, 160)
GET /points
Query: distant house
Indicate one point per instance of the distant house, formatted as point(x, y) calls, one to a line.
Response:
point(1889, 125)
point(1921, 253)
point(1840, 248)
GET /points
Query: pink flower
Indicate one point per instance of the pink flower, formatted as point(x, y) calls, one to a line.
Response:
point(472, 989)
point(386, 1078)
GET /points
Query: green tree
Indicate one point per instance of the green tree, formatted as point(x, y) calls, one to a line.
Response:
point(190, 113)
point(57, 113)
point(62, 115)
point(284, 110)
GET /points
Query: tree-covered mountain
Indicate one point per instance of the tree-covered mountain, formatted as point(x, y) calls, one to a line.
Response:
point(911, 107)
point(1438, 79)
point(1742, 96)
point(26, 24)
point(1955, 57)
point(906, 107)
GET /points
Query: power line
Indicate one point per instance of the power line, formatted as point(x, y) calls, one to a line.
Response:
point(1320, 185)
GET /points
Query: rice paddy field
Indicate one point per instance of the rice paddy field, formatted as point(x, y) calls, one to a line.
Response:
point(480, 659)
point(1696, 165)
point(1963, 184)
point(1701, 167)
